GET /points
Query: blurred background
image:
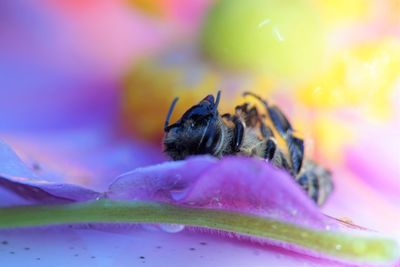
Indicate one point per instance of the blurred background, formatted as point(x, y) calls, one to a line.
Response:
point(333, 66)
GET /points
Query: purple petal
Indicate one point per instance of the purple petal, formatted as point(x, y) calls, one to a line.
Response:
point(239, 184)
point(159, 182)
point(17, 178)
point(90, 157)
point(246, 185)
point(123, 246)
point(67, 80)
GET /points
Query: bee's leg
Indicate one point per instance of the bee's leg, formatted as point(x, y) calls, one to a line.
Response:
point(271, 153)
point(250, 116)
point(295, 144)
point(238, 131)
point(266, 131)
point(309, 182)
point(246, 115)
point(282, 125)
point(242, 108)
point(270, 149)
point(253, 118)
point(280, 161)
point(270, 143)
point(256, 120)
point(279, 120)
point(316, 181)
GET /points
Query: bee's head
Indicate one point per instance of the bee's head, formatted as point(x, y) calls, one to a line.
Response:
point(196, 132)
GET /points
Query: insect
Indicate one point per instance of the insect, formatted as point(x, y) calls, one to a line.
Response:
point(267, 135)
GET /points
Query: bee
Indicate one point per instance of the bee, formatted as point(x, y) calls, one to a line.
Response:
point(267, 135)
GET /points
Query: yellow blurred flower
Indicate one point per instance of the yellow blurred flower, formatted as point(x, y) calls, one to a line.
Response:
point(362, 76)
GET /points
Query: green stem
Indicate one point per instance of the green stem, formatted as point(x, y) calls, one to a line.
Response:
point(340, 245)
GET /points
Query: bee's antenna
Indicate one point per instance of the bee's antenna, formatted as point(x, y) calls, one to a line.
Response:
point(171, 109)
point(216, 103)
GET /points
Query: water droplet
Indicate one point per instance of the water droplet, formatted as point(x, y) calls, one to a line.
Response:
point(327, 227)
point(172, 228)
point(293, 212)
point(338, 247)
point(178, 195)
point(101, 196)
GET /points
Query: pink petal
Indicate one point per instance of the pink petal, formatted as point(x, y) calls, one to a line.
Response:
point(375, 159)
